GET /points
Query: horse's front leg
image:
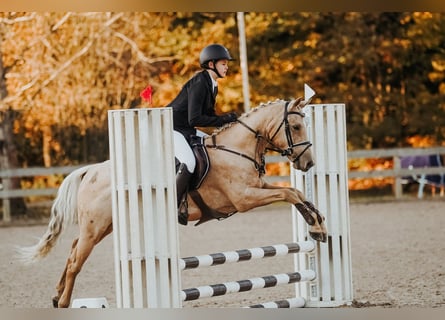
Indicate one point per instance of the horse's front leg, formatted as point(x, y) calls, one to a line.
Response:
point(255, 197)
point(314, 219)
point(311, 215)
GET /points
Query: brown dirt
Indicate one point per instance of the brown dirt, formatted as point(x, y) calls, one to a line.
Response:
point(398, 258)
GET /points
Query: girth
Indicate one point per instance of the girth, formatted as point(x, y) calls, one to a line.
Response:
point(207, 212)
point(201, 170)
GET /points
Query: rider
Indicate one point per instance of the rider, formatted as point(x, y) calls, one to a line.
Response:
point(193, 107)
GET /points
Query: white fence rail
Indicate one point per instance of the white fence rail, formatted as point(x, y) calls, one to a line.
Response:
point(397, 172)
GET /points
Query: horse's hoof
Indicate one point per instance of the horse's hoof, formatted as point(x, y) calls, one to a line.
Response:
point(55, 302)
point(324, 238)
point(321, 237)
point(183, 218)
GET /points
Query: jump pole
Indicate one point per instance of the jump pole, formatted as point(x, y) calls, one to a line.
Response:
point(145, 225)
point(326, 185)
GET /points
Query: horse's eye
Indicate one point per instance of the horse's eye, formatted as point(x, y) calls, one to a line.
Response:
point(296, 127)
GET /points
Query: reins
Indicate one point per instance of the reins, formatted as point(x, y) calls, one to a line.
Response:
point(260, 166)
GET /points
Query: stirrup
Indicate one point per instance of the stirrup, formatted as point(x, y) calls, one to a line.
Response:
point(183, 213)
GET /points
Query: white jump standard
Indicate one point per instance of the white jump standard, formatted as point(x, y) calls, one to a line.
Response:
point(144, 208)
point(326, 185)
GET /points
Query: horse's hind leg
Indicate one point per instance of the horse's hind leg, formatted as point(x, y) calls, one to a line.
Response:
point(79, 254)
point(61, 285)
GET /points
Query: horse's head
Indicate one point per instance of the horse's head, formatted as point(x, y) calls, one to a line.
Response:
point(291, 136)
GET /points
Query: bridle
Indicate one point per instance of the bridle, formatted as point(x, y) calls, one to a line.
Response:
point(260, 166)
point(290, 144)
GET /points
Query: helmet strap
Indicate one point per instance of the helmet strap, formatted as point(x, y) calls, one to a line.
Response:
point(214, 69)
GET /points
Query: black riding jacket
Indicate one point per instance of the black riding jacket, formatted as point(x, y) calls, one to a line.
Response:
point(194, 106)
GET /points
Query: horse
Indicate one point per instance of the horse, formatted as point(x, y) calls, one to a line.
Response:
point(234, 183)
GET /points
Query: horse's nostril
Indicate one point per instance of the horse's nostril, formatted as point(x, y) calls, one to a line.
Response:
point(310, 164)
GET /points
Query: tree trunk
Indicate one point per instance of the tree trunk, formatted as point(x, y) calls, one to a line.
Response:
point(8, 153)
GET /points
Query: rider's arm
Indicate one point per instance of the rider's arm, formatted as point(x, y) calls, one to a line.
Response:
point(201, 111)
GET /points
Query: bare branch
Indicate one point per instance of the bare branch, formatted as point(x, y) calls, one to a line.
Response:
point(65, 65)
point(139, 53)
point(61, 21)
point(18, 19)
point(113, 19)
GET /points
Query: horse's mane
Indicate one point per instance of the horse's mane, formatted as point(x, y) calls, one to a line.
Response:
point(247, 114)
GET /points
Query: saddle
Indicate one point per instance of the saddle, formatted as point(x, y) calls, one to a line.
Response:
point(201, 170)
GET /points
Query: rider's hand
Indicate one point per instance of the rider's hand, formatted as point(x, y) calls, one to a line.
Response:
point(230, 117)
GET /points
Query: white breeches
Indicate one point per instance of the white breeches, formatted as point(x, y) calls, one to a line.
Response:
point(183, 151)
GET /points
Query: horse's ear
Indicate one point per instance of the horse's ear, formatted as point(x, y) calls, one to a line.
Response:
point(299, 102)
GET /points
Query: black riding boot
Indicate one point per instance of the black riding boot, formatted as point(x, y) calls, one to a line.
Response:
point(182, 181)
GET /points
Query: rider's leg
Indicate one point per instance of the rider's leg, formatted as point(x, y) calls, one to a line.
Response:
point(184, 154)
point(182, 180)
point(183, 151)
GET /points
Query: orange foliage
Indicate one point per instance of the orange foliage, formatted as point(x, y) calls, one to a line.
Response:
point(278, 169)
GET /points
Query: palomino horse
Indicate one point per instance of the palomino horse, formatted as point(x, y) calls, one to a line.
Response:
point(234, 184)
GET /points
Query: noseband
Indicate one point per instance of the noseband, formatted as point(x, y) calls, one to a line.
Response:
point(260, 166)
point(291, 145)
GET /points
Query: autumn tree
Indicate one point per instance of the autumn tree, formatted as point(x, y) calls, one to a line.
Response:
point(64, 71)
point(8, 147)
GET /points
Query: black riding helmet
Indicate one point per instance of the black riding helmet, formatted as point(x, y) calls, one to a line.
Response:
point(213, 52)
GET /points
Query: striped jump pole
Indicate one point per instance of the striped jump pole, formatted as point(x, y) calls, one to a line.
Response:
point(246, 285)
point(326, 185)
point(245, 255)
point(297, 302)
point(216, 259)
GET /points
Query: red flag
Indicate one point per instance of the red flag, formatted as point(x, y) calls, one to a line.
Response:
point(146, 94)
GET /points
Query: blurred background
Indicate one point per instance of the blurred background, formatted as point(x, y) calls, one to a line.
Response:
point(61, 72)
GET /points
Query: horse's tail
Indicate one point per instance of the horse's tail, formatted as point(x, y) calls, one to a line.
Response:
point(63, 213)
